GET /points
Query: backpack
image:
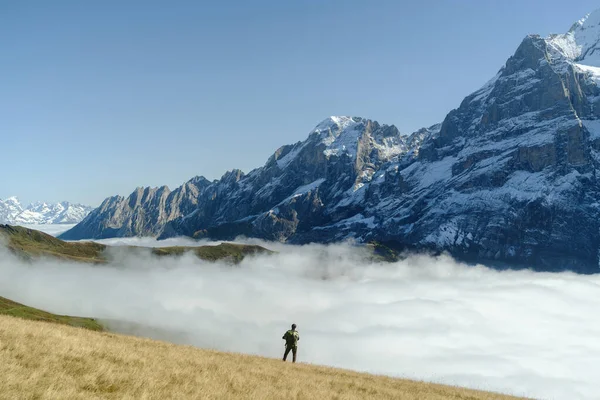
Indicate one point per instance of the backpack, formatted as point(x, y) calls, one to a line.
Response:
point(291, 338)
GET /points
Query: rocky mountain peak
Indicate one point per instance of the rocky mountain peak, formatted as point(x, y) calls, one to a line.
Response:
point(354, 136)
point(339, 134)
point(335, 125)
point(582, 42)
point(198, 181)
point(10, 209)
point(13, 200)
point(232, 176)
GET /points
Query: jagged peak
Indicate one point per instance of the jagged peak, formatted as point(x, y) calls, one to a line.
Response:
point(335, 124)
point(591, 19)
point(232, 175)
point(582, 42)
point(580, 46)
point(339, 134)
point(111, 200)
point(151, 188)
point(198, 181)
point(339, 124)
point(431, 130)
point(12, 199)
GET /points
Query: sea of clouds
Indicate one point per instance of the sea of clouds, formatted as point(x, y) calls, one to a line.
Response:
point(51, 229)
point(427, 318)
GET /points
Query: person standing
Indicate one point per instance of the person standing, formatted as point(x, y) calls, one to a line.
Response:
point(291, 338)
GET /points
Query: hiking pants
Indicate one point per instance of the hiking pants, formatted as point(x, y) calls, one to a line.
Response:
point(294, 349)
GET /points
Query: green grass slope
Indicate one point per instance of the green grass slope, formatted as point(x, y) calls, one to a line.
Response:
point(30, 243)
point(14, 309)
point(224, 251)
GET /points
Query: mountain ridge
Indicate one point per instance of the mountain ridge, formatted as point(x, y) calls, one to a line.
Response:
point(509, 176)
point(64, 212)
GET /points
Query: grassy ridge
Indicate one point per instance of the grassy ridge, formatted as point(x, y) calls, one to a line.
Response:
point(59, 362)
point(14, 309)
point(225, 251)
point(29, 243)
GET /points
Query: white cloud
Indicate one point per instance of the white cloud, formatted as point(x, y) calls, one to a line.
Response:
point(434, 319)
point(152, 242)
point(50, 229)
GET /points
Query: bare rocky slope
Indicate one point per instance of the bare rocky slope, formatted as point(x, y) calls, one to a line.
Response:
point(510, 176)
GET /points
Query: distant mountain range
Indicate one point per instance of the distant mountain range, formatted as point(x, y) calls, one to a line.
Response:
point(510, 176)
point(12, 212)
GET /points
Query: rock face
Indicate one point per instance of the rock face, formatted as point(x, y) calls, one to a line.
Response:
point(509, 176)
point(144, 213)
point(12, 212)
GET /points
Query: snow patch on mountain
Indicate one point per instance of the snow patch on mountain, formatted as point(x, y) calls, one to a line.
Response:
point(339, 134)
point(582, 43)
point(355, 195)
point(285, 160)
point(307, 188)
point(486, 89)
point(593, 72)
point(593, 126)
point(368, 222)
point(302, 190)
point(426, 174)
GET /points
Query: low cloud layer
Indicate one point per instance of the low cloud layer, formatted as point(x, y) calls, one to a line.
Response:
point(51, 229)
point(433, 319)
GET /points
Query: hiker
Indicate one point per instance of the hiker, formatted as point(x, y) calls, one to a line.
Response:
point(291, 338)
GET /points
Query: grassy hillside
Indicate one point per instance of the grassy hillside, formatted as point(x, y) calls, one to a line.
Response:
point(29, 243)
point(228, 251)
point(59, 362)
point(9, 307)
point(381, 252)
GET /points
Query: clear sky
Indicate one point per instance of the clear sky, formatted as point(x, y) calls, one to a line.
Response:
point(98, 98)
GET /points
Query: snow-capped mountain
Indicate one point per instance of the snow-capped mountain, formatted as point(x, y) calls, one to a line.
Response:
point(509, 176)
point(12, 212)
point(9, 209)
point(347, 150)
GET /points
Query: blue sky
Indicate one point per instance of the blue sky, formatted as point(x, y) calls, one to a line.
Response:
point(101, 97)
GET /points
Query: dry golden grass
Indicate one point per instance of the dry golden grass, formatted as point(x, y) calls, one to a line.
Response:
point(41, 360)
